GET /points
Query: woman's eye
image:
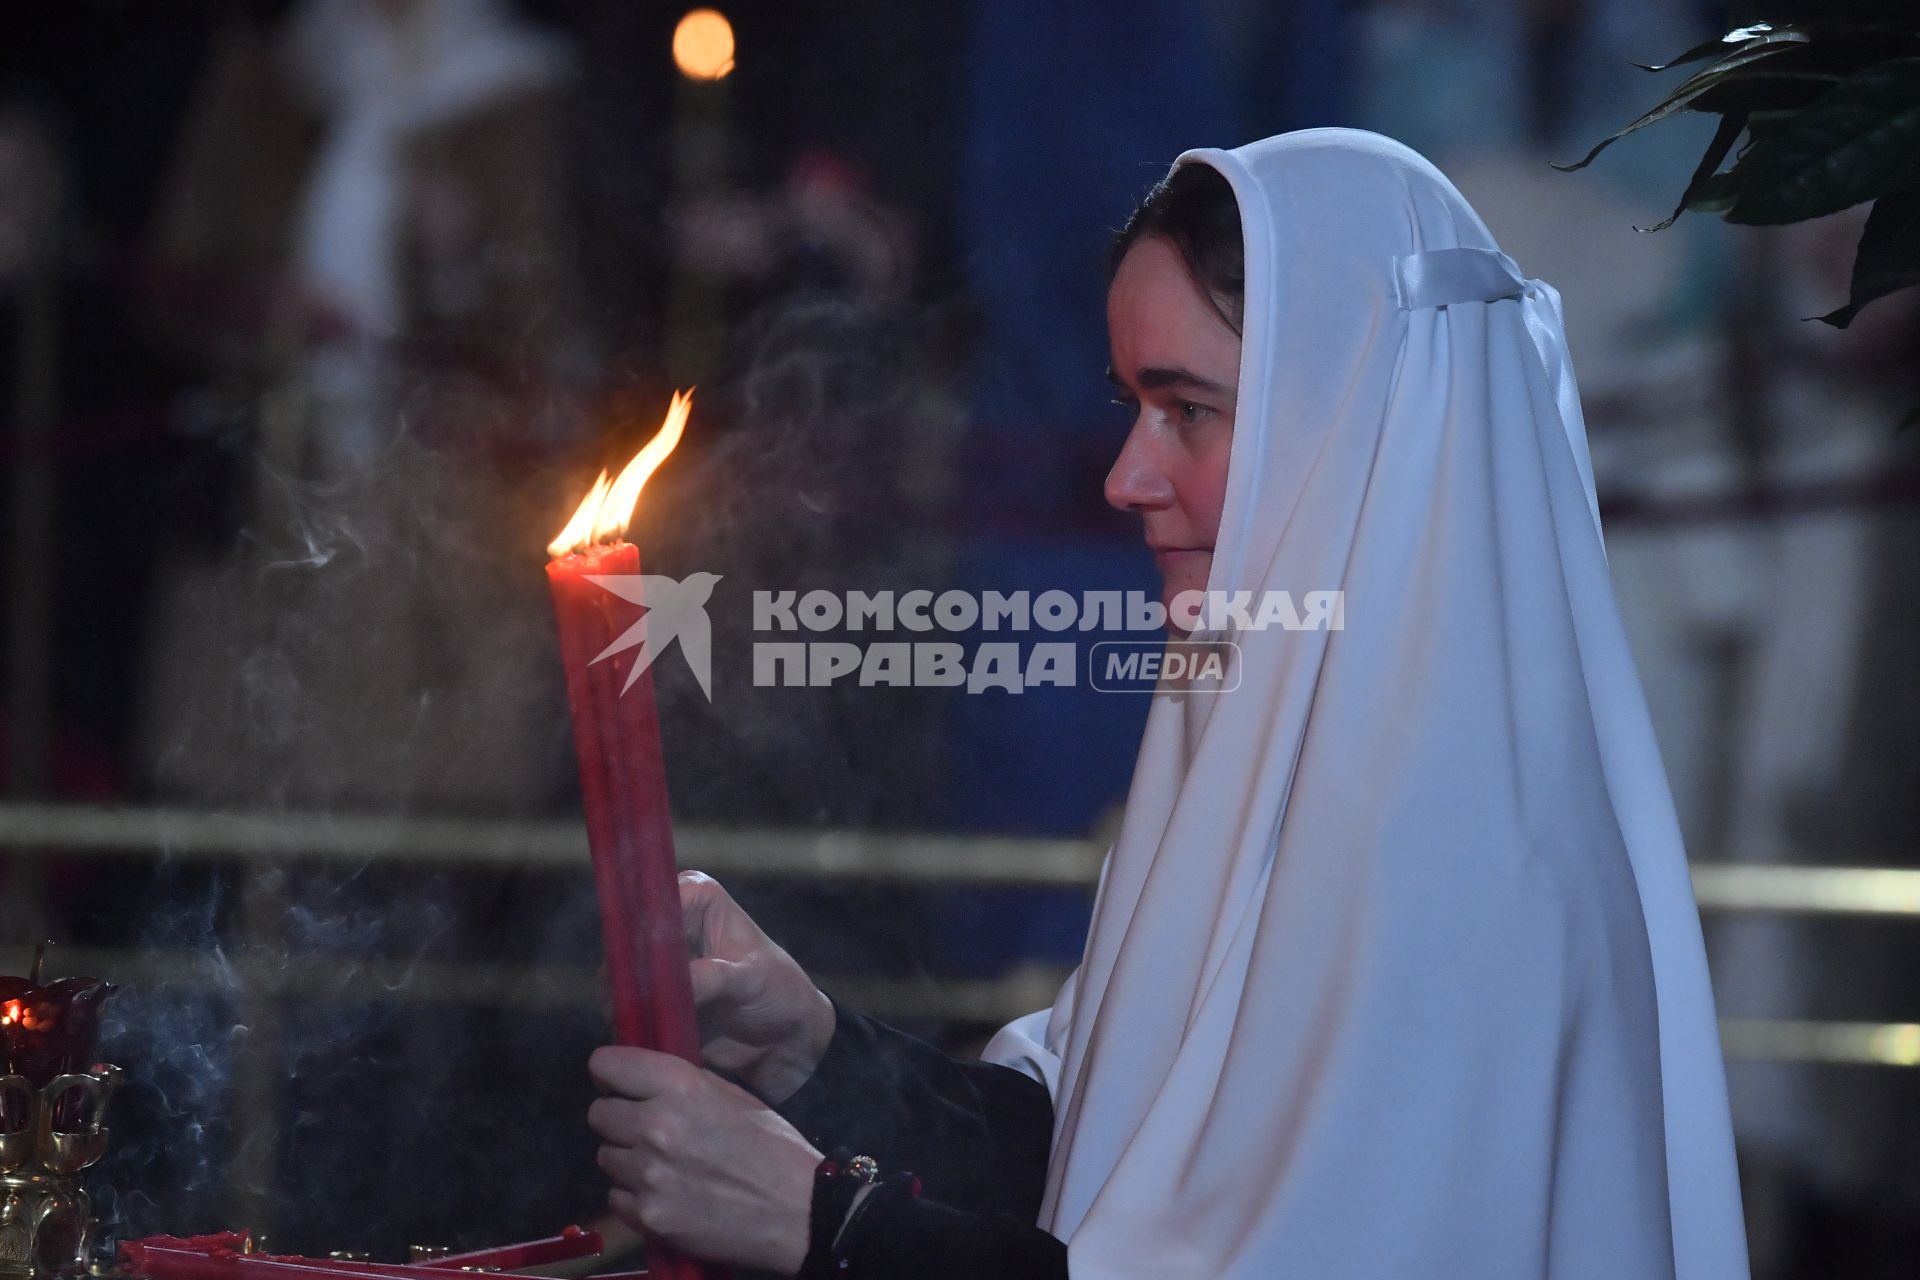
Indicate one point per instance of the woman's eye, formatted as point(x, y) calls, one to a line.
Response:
point(1189, 412)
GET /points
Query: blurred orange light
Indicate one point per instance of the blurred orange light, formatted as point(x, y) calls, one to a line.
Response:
point(703, 45)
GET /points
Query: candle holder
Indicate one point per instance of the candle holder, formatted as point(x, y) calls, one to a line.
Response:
point(48, 1135)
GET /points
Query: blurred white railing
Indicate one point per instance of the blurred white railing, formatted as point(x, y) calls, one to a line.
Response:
point(262, 838)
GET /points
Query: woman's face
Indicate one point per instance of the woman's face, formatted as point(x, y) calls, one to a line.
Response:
point(1176, 363)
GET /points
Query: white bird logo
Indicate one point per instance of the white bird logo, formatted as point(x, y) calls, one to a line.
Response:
point(674, 610)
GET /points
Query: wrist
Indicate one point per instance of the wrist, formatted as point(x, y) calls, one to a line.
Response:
point(847, 1191)
point(789, 1215)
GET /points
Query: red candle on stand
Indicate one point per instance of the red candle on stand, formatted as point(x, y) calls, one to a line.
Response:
point(623, 783)
point(47, 1030)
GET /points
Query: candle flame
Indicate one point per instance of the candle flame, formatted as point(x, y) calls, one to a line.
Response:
point(605, 512)
point(15, 1013)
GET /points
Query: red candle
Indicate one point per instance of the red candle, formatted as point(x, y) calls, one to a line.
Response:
point(221, 1254)
point(623, 784)
point(572, 1242)
point(159, 1261)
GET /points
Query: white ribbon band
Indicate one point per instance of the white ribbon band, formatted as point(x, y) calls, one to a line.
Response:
point(1444, 277)
point(1441, 277)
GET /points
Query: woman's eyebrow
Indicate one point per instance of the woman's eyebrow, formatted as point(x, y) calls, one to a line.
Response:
point(1159, 377)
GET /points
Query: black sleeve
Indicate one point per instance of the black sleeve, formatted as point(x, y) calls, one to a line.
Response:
point(901, 1238)
point(977, 1134)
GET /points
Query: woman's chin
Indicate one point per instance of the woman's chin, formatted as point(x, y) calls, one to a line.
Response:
point(1182, 571)
point(1184, 598)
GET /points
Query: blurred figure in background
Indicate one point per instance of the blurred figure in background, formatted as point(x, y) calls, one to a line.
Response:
point(820, 231)
point(369, 228)
point(366, 247)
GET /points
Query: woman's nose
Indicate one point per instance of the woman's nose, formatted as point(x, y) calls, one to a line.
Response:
point(1137, 481)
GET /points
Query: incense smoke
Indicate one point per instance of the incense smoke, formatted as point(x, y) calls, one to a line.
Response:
point(338, 1052)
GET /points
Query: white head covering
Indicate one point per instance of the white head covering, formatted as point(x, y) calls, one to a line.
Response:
point(1395, 969)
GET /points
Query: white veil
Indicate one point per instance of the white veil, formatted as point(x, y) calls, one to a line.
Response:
point(1395, 969)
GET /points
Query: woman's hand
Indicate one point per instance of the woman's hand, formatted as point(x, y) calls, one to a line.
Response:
point(761, 1018)
point(700, 1163)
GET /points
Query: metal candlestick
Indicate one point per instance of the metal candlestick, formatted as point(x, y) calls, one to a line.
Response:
point(47, 1136)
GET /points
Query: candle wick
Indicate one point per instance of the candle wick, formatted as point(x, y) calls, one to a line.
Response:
point(39, 960)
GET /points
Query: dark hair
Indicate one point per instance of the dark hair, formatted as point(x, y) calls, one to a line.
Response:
point(1194, 207)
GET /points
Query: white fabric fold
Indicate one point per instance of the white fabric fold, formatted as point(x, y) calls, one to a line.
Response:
point(1395, 969)
point(1442, 277)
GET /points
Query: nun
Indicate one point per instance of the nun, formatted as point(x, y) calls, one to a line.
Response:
point(1395, 968)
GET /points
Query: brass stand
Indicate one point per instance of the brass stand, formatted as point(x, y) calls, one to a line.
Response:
point(46, 1220)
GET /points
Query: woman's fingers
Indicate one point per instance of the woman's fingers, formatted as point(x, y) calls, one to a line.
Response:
point(701, 1163)
point(733, 1095)
point(619, 1122)
point(714, 980)
point(715, 925)
point(636, 1132)
point(626, 1207)
point(641, 1074)
point(658, 1098)
point(698, 892)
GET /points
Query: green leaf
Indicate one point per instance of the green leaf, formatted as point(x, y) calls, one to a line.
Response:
point(1681, 99)
point(1853, 12)
point(1743, 36)
point(1723, 139)
point(1888, 258)
point(1717, 194)
point(1833, 45)
point(1764, 124)
point(1769, 88)
point(1860, 140)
